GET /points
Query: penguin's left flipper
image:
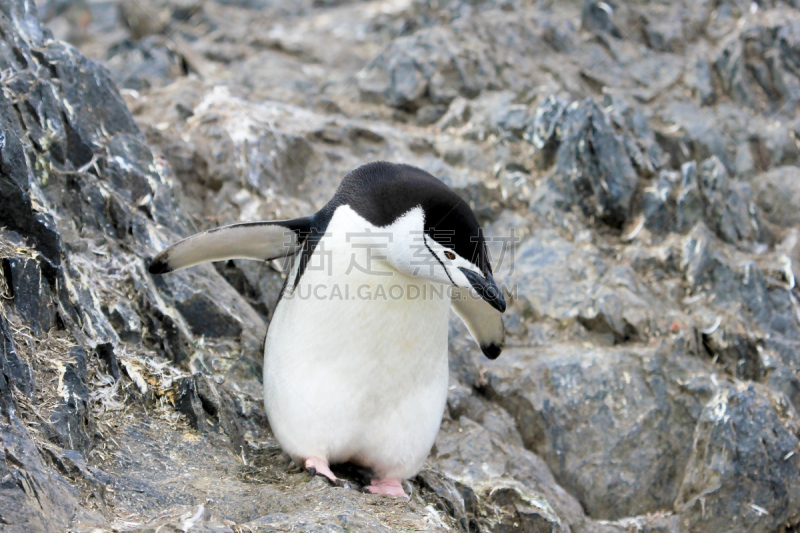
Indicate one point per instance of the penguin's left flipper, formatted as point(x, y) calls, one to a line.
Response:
point(483, 321)
point(251, 240)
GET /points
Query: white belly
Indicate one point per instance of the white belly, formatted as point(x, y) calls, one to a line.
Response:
point(349, 378)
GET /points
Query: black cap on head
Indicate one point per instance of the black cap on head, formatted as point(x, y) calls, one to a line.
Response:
point(382, 192)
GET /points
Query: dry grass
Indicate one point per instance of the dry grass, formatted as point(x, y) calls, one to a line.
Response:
point(110, 400)
point(46, 356)
point(8, 250)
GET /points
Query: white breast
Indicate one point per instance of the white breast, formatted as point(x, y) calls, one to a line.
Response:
point(355, 364)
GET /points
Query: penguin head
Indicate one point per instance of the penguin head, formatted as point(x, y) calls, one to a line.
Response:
point(434, 233)
point(445, 247)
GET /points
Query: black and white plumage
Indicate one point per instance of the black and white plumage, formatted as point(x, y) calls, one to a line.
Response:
point(350, 376)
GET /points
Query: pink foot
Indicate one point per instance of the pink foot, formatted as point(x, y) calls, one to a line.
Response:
point(319, 466)
point(387, 486)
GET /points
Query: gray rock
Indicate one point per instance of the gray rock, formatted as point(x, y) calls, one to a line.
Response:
point(452, 494)
point(696, 135)
point(742, 430)
point(54, 505)
point(430, 113)
point(701, 82)
point(657, 203)
point(727, 206)
point(125, 320)
point(592, 165)
point(14, 371)
point(548, 289)
point(599, 17)
point(757, 64)
point(480, 447)
point(458, 113)
point(689, 208)
point(210, 408)
point(72, 425)
point(564, 400)
point(31, 291)
point(778, 194)
point(107, 355)
point(144, 64)
point(708, 193)
point(623, 307)
point(412, 68)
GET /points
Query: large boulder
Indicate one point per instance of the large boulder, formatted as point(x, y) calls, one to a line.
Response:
point(742, 430)
point(614, 425)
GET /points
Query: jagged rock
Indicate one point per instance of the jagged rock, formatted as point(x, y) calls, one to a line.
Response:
point(105, 352)
point(741, 286)
point(564, 400)
point(592, 166)
point(780, 368)
point(412, 70)
point(689, 201)
point(727, 206)
point(430, 113)
point(707, 193)
point(623, 307)
point(207, 406)
point(599, 17)
point(546, 287)
point(502, 115)
point(640, 142)
point(656, 203)
point(31, 291)
point(125, 320)
point(528, 514)
point(452, 494)
point(35, 498)
point(701, 82)
point(778, 195)
point(457, 114)
point(541, 130)
point(480, 447)
point(695, 134)
point(757, 66)
point(259, 282)
point(560, 35)
point(14, 371)
point(740, 431)
point(144, 64)
point(72, 423)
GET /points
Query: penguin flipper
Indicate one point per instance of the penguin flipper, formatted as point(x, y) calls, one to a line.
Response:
point(250, 240)
point(483, 321)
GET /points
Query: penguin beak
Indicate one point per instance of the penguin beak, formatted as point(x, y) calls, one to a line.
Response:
point(486, 289)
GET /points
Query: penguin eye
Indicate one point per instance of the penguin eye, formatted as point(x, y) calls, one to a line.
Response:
point(450, 255)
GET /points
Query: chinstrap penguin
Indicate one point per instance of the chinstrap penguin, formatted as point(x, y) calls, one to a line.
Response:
point(364, 379)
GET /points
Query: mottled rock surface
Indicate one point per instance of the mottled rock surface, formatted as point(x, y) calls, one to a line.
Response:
point(635, 165)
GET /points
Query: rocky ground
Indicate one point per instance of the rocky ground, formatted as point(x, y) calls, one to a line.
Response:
point(642, 157)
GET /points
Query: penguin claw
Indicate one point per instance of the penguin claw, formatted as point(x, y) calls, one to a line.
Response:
point(337, 482)
point(318, 467)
